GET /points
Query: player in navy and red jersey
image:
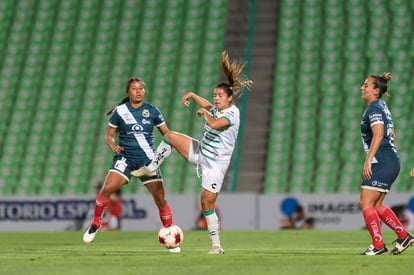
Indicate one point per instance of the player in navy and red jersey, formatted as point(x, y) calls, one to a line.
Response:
point(134, 121)
point(381, 167)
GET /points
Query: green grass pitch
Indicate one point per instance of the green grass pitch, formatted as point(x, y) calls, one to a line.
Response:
point(246, 252)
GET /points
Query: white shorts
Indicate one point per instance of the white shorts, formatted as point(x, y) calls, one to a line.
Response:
point(212, 172)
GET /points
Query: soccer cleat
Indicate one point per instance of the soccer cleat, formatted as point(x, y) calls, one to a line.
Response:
point(402, 244)
point(370, 247)
point(143, 172)
point(372, 251)
point(90, 233)
point(216, 250)
point(175, 250)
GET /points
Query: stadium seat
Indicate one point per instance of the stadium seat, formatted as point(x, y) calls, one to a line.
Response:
point(77, 58)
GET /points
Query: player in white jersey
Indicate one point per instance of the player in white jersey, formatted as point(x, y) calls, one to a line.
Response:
point(213, 153)
point(133, 121)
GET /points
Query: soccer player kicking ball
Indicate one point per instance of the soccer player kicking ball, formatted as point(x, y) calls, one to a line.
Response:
point(213, 153)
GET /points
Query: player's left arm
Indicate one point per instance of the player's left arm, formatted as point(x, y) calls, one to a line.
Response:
point(163, 128)
point(377, 137)
point(159, 121)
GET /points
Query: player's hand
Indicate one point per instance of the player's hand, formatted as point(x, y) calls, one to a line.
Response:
point(201, 111)
point(366, 170)
point(116, 149)
point(186, 99)
point(412, 172)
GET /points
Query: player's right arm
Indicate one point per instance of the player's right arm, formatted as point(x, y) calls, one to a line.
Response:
point(204, 103)
point(110, 140)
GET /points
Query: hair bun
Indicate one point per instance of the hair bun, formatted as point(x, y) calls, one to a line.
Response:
point(386, 76)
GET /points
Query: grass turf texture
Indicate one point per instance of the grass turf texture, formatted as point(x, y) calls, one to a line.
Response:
point(246, 252)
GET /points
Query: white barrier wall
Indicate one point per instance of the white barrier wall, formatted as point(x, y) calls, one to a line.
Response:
point(244, 211)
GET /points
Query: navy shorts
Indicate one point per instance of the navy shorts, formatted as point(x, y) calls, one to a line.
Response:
point(384, 174)
point(124, 165)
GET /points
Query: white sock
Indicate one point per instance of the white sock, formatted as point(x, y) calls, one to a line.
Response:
point(213, 228)
point(162, 152)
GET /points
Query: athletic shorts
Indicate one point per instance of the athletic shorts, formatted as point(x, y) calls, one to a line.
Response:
point(384, 174)
point(123, 166)
point(212, 172)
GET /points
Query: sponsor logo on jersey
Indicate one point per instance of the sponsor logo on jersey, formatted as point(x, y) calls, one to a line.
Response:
point(146, 121)
point(137, 128)
point(121, 164)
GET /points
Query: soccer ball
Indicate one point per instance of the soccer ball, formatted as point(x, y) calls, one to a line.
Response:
point(171, 237)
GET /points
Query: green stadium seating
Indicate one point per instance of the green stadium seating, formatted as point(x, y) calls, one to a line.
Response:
point(278, 157)
point(57, 86)
point(352, 46)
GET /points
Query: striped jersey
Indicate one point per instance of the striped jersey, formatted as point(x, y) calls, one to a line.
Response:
point(136, 129)
point(377, 112)
point(218, 144)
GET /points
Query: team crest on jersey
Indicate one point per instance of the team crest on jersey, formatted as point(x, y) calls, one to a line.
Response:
point(146, 113)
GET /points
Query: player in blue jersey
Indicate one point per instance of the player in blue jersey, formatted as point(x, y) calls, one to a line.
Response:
point(213, 153)
point(381, 167)
point(134, 121)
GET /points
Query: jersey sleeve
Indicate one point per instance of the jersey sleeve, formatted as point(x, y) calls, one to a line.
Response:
point(375, 116)
point(115, 119)
point(158, 117)
point(232, 116)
